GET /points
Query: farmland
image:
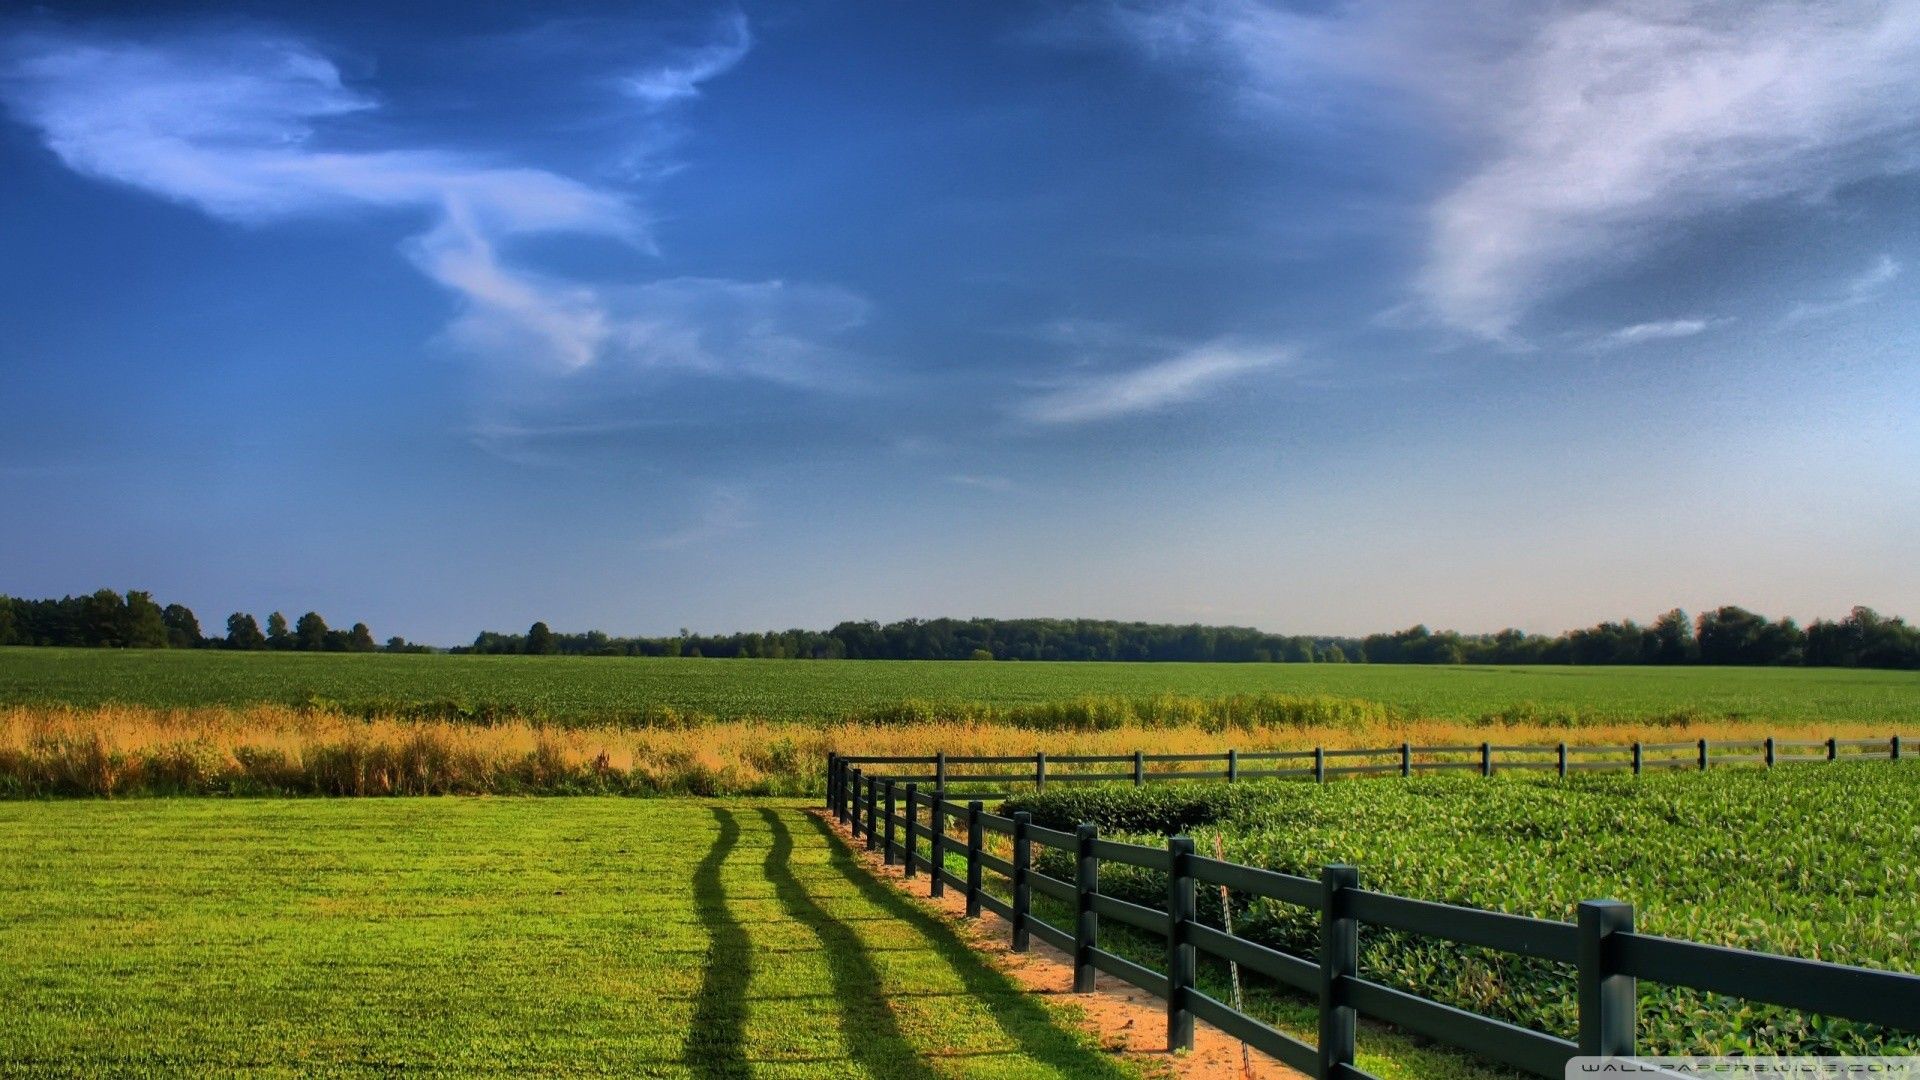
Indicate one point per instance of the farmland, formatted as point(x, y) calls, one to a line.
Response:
point(477, 937)
point(1805, 860)
point(614, 690)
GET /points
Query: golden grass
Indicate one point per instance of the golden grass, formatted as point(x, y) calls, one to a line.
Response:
point(130, 750)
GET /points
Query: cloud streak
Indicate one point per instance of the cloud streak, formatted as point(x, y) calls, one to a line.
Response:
point(1585, 131)
point(236, 125)
point(669, 84)
point(1183, 378)
point(1863, 288)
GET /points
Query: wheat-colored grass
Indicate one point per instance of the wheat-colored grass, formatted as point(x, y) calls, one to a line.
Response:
point(130, 750)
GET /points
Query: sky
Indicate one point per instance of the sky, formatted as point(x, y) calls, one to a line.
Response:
point(1322, 317)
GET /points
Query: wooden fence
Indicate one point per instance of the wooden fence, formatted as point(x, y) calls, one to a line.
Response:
point(1608, 956)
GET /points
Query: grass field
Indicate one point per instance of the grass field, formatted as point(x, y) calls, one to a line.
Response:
point(612, 689)
point(668, 938)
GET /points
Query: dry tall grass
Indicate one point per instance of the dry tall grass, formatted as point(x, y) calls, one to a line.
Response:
point(266, 750)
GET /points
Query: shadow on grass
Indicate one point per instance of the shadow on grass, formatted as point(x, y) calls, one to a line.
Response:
point(715, 1047)
point(867, 1024)
point(1025, 1020)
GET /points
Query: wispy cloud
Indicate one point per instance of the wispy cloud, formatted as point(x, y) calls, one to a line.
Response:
point(237, 125)
point(1860, 289)
point(679, 78)
point(984, 483)
point(1186, 377)
point(724, 511)
point(1662, 330)
point(1586, 130)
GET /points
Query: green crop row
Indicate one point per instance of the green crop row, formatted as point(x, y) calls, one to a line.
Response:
point(1815, 861)
point(1047, 696)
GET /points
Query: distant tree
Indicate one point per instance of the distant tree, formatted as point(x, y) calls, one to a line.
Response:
point(183, 629)
point(360, 638)
point(1673, 641)
point(146, 624)
point(9, 623)
point(310, 633)
point(244, 633)
point(277, 635)
point(1334, 654)
point(103, 619)
point(540, 639)
point(980, 654)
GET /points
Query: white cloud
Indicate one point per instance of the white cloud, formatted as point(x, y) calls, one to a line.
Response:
point(1860, 289)
point(1664, 330)
point(234, 125)
point(1587, 130)
point(670, 83)
point(1185, 377)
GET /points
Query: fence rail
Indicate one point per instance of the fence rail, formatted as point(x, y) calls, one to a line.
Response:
point(1040, 769)
point(1607, 954)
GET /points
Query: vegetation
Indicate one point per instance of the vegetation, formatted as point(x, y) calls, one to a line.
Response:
point(569, 690)
point(474, 937)
point(268, 750)
point(1805, 860)
point(1725, 636)
point(108, 620)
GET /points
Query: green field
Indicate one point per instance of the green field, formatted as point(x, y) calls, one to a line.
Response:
point(455, 937)
point(1813, 860)
point(587, 689)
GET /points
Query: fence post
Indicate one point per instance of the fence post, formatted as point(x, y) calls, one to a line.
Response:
point(1339, 959)
point(1040, 771)
point(937, 842)
point(888, 852)
point(1638, 761)
point(975, 841)
point(1606, 996)
point(1769, 751)
point(1233, 766)
point(853, 802)
point(1833, 748)
point(1895, 754)
point(1486, 759)
point(1086, 929)
point(1563, 761)
point(1139, 768)
point(913, 815)
point(940, 770)
point(1703, 755)
point(833, 773)
point(1022, 869)
point(1406, 759)
point(873, 812)
point(1319, 764)
point(1182, 960)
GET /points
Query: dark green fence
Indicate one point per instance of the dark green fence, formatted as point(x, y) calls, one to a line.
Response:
point(910, 826)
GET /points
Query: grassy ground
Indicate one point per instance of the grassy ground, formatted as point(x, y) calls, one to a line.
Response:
point(672, 938)
point(594, 689)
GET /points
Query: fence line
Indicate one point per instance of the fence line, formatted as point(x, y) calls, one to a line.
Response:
point(1487, 758)
point(1607, 954)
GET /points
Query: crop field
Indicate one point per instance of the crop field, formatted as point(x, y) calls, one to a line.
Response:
point(582, 937)
point(1811, 860)
point(602, 690)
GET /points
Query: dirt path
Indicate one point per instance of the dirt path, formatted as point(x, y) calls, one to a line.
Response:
point(1126, 1019)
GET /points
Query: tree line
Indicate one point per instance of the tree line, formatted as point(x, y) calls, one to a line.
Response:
point(135, 620)
point(1726, 636)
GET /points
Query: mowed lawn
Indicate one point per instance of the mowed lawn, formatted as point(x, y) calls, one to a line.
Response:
point(560, 937)
point(594, 689)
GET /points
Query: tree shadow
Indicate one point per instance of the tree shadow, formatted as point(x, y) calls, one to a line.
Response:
point(1033, 1027)
point(715, 1047)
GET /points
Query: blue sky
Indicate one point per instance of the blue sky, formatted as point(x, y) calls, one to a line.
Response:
point(1321, 317)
